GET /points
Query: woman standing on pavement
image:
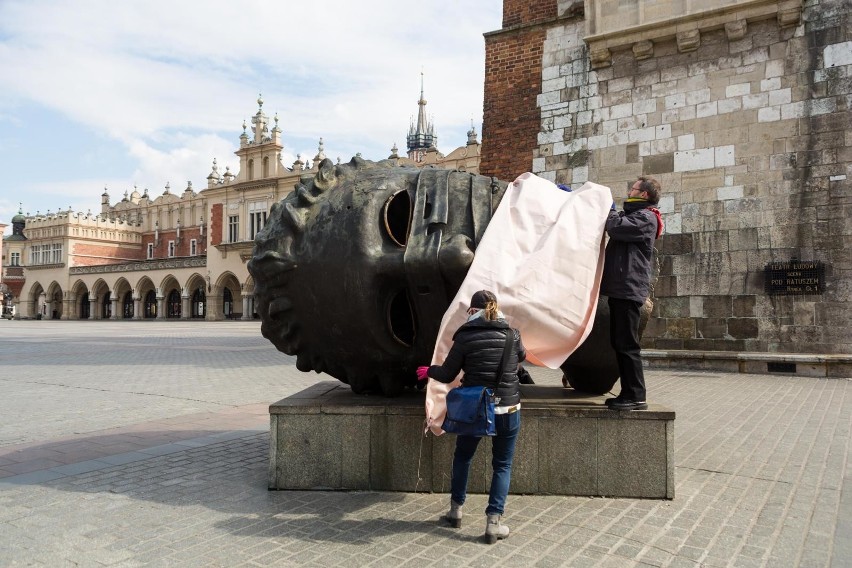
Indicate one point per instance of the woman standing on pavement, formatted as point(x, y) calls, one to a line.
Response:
point(477, 350)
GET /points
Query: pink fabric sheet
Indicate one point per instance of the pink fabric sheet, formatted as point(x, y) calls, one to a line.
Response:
point(542, 255)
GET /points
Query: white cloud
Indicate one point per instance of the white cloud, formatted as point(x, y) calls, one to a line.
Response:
point(172, 82)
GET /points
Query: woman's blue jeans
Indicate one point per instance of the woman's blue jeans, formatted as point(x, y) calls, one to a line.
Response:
point(502, 454)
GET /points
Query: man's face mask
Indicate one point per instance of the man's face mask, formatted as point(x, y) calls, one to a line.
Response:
point(355, 268)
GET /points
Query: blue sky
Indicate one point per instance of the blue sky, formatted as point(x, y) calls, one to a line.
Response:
point(98, 94)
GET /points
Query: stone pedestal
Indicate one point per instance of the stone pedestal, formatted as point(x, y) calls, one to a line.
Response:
point(327, 437)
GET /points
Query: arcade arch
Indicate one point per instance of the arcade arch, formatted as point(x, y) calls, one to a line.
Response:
point(146, 294)
point(196, 297)
point(34, 305)
point(170, 291)
point(99, 300)
point(228, 294)
point(80, 308)
point(53, 302)
point(248, 299)
point(123, 299)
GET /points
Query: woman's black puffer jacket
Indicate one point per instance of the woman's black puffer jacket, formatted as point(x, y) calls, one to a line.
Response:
point(477, 350)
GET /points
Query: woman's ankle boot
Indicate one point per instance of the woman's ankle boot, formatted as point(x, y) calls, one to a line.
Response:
point(454, 515)
point(494, 529)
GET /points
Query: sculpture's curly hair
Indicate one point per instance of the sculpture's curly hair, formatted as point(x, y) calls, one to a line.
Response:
point(275, 265)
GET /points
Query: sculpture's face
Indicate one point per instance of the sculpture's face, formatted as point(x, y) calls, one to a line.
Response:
point(355, 268)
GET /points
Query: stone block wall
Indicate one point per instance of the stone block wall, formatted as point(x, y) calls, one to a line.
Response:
point(749, 129)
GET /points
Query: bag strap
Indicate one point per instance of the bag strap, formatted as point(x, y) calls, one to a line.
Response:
point(510, 336)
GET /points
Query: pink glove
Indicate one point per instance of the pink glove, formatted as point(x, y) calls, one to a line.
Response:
point(421, 373)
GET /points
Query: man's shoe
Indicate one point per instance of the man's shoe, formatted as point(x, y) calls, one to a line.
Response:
point(609, 401)
point(625, 404)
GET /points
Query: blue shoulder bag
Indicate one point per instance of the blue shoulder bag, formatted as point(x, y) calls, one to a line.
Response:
point(470, 410)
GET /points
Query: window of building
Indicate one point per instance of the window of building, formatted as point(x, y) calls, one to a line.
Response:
point(150, 251)
point(233, 228)
point(193, 247)
point(15, 259)
point(257, 217)
point(56, 257)
point(171, 249)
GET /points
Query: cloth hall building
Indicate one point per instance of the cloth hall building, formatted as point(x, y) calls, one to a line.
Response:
point(178, 255)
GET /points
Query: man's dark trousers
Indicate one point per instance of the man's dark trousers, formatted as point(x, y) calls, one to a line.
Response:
point(624, 336)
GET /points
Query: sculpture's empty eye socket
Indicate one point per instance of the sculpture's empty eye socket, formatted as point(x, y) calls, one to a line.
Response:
point(397, 215)
point(400, 318)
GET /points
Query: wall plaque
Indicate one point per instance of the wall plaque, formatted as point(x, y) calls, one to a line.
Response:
point(797, 277)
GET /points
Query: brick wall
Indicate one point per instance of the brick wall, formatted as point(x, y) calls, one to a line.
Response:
point(216, 224)
point(510, 113)
point(182, 245)
point(525, 12)
point(91, 254)
point(750, 136)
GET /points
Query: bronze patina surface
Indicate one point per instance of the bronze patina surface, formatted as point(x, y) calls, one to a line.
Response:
point(356, 267)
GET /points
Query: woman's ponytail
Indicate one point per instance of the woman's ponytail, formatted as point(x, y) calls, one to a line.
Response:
point(491, 310)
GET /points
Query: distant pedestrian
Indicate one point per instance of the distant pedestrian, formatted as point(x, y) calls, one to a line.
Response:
point(627, 283)
point(477, 350)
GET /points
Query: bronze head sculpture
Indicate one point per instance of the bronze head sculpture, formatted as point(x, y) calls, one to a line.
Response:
point(355, 268)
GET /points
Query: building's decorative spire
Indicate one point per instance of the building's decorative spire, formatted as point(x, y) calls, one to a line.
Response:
point(421, 113)
point(320, 152)
point(394, 152)
point(259, 122)
point(244, 135)
point(422, 136)
point(214, 175)
point(168, 187)
point(19, 222)
point(471, 134)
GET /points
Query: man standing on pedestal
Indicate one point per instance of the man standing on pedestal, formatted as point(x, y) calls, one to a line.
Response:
point(627, 282)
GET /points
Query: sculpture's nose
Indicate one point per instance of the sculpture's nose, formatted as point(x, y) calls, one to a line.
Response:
point(455, 258)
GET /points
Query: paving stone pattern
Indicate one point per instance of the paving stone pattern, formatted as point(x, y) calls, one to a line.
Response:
point(146, 444)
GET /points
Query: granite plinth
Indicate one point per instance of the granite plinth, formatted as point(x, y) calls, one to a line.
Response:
point(327, 437)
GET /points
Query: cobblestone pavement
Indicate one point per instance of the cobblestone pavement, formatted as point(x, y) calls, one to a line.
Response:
point(146, 444)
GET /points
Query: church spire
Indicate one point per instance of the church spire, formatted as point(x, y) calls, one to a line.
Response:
point(421, 137)
point(421, 113)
